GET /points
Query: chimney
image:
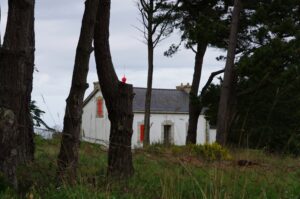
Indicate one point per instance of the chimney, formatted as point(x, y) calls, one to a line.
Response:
point(184, 87)
point(96, 86)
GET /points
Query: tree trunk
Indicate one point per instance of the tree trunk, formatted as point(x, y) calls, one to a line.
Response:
point(16, 75)
point(118, 99)
point(68, 156)
point(146, 140)
point(225, 111)
point(8, 149)
point(194, 110)
point(121, 118)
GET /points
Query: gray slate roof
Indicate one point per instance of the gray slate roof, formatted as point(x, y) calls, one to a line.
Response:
point(163, 100)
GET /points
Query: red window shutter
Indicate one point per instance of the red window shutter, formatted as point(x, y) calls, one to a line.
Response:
point(100, 108)
point(142, 129)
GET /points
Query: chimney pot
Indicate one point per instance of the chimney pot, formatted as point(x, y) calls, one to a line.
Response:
point(186, 88)
point(96, 86)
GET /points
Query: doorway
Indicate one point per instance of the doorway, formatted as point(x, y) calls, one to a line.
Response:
point(167, 134)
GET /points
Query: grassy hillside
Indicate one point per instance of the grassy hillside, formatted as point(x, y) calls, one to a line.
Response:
point(173, 172)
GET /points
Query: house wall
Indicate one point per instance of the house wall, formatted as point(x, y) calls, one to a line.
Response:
point(97, 130)
point(179, 124)
point(213, 134)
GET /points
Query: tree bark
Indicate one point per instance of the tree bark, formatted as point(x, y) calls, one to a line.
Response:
point(194, 110)
point(68, 157)
point(121, 118)
point(150, 44)
point(118, 98)
point(16, 75)
point(225, 111)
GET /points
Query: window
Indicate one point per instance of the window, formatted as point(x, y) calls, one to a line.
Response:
point(142, 132)
point(99, 107)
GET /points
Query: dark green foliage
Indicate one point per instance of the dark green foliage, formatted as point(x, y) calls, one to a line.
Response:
point(268, 99)
point(269, 113)
point(203, 21)
point(269, 81)
point(36, 114)
point(211, 101)
point(200, 22)
point(277, 17)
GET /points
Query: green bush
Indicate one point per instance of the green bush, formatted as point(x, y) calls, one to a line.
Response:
point(179, 150)
point(210, 151)
point(205, 151)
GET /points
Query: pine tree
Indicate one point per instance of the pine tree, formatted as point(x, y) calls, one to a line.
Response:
point(227, 96)
point(68, 156)
point(118, 99)
point(202, 24)
point(16, 75)
point(267, 81)
point(156, 27)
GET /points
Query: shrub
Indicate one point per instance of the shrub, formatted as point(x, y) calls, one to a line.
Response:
point(205, 151)
point(179, 150)
point(210, 151)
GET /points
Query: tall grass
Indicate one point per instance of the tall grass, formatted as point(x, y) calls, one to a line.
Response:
point(166, 173)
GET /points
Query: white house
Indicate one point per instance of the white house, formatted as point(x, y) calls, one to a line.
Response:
point(169, 117)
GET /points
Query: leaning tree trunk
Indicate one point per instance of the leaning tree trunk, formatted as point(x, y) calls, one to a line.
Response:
point(16, 75)
point(68, 156)
point(194, 110)
point(118, 99)
point(146, 141)
point(226, 99)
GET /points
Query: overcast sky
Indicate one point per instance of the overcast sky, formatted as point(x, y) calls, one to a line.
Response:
point(57, 27)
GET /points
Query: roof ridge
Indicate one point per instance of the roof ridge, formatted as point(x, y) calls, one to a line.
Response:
point(172, 89)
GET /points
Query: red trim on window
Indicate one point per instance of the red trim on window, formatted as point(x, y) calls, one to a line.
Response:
point(142, 132)
point(100, 107)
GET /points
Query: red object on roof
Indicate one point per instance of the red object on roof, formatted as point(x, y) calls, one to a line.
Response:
point(124, 79)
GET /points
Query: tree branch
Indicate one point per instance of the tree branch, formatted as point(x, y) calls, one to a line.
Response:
point(210, 79)
point(192, 48)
